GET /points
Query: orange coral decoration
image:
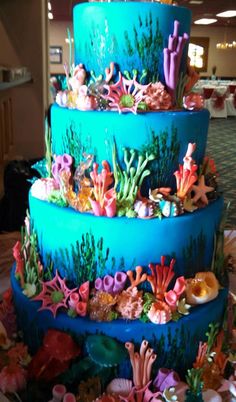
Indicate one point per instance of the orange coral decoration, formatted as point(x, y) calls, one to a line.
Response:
point(141, 363)
point(138, 279)
point(185, 178)
point(161, 277)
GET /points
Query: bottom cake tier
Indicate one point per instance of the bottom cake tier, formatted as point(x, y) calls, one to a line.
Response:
point(175, 343)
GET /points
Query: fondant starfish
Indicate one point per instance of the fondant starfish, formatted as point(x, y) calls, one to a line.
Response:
point(201, 190)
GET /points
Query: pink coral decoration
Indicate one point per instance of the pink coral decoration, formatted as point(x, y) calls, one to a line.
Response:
point(12, 378)
point(193, 101)
point(173, 296)
point(130, 304)
point(125, 95)
point(85, 101)
point(160, 278)
point(104, 201)
point(54, 294)
point(157, 98)
point(78, 78)
point(159, 313)
point(143, 394)
point(78, 301)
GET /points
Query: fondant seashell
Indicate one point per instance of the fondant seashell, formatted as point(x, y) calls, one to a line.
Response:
point(210, 395)
point(119, 386)
point(201, 289)
point(159, 313)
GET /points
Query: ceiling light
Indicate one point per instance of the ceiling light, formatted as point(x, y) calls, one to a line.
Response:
point(50, 16)
point(227, 14)
point(49, 6)
point(195, 1)
point(205, 21)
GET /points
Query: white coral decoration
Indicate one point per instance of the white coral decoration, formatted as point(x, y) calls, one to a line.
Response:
point(156, 97)
point(42, 188)
point(130, 304)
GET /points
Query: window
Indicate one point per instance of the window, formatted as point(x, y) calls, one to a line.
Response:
point(198, 53)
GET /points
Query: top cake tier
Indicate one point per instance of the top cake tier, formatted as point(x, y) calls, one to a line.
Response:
point(132, 34)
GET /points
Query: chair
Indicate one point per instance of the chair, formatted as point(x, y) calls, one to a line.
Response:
point(207, 92)
point(231, 105)
point(216, 104)
point(232, 88)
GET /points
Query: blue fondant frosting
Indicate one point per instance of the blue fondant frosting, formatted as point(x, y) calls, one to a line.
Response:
point(131, 34)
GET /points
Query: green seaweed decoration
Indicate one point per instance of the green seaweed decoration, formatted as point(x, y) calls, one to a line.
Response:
point(193, 255)
point(88, 260)
point(147, 43)
point(179, 93)
point(166, 156)
point(48, 147)
point(75, 146)
point(101, 46)
point(195, 383)
point(128, 181)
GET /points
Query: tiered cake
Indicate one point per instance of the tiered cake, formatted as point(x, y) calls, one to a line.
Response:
point(123, 244)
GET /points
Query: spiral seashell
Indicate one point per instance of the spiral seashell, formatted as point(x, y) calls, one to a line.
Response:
point(119, 386)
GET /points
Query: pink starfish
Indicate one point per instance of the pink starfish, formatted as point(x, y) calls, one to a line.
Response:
point(201, 190)
point(54, 294)
point(125, 95)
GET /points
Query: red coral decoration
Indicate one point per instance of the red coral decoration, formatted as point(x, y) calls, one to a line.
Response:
point(54, 294)
point(54, 356)
point(19, 272)
point(185, 178)
point(161, 277)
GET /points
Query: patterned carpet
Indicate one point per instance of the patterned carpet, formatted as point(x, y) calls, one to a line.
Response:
point(221, 146)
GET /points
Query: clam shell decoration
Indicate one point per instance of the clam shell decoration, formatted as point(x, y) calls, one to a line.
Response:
point(201, 289)
point(170, 205)
point(119, 386)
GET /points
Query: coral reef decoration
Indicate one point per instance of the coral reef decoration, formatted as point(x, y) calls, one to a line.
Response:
point(78, 301)
point(101, 306)
point(160, 278)
point(12, 378)
point(137, 277)
point(54, 294)
point(78, 77)
point(103, 201)
point(86, 101)
point(43, 188)
point(125, 95)
point(159, 313)
point(130, 304)
point(166, 378)
point(105, 351)
point(193, 101)
point(143, 394)
point(172, 58)
point(54, 356)
point(7, 313)
point(192, 76)
point(157, 98)
point(20, 264)
point(185, 178)
point(61, 163)
point(112, 285)
point(141, 363)
point(120, 387)
point(202, 288)
point(172, 296)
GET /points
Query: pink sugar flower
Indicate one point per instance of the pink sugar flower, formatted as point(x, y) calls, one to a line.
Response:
point(157, 98)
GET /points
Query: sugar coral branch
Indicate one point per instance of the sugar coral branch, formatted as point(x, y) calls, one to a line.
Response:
point(160, 277)
point(139, 278)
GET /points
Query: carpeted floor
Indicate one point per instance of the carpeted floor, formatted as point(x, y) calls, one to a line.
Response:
point(222, 147)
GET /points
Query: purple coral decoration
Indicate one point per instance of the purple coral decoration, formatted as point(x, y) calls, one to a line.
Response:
point(165, 378)
point(172, 58)
point(61, 163)
point(111, 285)
point(54, 294)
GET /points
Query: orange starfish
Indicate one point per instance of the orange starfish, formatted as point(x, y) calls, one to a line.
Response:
point(201, 190)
